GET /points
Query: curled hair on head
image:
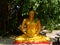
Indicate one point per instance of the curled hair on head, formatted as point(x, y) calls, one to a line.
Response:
point(31, 9)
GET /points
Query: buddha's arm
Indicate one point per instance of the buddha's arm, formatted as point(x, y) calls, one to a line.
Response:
point(38, 27)
point(22, 26)
point(23, 29)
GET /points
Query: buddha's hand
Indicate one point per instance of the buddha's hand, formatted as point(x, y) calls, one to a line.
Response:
point(35, 35)
point(27, 35)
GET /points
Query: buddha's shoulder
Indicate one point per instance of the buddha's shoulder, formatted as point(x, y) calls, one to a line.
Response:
point(25, 19)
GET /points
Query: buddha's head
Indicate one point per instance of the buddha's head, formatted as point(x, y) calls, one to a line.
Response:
point(31, 14)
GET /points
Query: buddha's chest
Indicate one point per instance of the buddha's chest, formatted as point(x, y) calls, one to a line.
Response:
point(31, 24)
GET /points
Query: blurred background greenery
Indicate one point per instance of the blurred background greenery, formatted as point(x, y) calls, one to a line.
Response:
point(14, 11)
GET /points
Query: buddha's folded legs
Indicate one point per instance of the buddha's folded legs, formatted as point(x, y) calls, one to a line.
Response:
point(20, 38)
point(39, 38)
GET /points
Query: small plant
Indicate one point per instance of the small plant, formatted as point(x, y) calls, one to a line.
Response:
point(50, 25)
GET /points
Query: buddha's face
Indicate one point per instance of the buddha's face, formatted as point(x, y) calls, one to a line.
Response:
point(31, 14)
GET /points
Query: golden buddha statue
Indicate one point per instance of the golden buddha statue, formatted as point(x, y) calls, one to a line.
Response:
point(31, 29)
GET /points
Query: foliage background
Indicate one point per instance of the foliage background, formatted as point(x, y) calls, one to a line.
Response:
point(48, 11)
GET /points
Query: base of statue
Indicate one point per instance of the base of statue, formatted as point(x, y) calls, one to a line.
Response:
point(32, 43)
